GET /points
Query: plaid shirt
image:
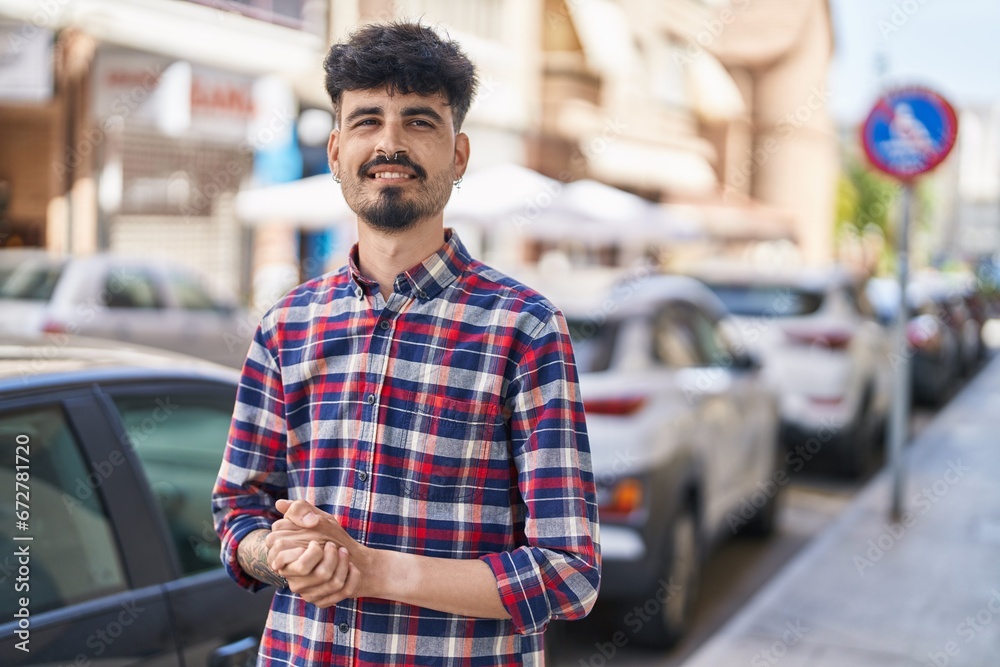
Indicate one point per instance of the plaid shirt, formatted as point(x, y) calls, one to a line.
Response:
point(445, 421)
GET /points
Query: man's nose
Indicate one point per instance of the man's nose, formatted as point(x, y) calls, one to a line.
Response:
point(390, 142)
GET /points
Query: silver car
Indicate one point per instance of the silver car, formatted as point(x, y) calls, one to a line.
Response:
point(683, 433)
point(132, 300)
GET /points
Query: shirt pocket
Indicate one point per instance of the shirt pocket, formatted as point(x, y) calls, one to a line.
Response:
point(448, 447)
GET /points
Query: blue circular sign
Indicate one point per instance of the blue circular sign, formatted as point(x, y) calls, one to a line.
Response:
point(909, 132)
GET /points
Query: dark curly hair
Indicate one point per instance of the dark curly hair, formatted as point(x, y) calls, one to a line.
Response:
point(405, 58)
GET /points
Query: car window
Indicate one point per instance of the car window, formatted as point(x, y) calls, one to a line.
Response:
point(131, 288)
point(73, 555)
point(675, 341)
point(593, 343)
point(180, 438)
point(189, 292)
point(860, 300)
point(767, 300)
point(34, 280)
point(712, 345)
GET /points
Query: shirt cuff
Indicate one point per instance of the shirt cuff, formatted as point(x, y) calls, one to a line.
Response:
point(521, 591)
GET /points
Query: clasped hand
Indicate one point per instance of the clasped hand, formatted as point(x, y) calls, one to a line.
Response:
point(313, 552)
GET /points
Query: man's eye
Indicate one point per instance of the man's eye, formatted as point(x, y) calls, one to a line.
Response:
point(422, 123)
point(366, 121)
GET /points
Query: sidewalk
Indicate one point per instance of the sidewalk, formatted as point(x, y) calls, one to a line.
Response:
point(867, 592)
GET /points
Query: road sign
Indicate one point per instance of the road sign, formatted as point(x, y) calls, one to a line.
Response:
point(909, 132)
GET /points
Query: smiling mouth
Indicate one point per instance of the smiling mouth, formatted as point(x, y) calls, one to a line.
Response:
point(391, 176)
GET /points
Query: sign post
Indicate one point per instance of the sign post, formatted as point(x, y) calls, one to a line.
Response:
point(908, 132)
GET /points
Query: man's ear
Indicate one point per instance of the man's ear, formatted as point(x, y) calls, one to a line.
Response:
point(461, 154)
point(333, 152)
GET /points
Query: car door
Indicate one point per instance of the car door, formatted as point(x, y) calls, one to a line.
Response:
point(704, 390)
point(751, 431)
point(81, 559)
point(178, 432)
point(209, 329)
point(134, 308)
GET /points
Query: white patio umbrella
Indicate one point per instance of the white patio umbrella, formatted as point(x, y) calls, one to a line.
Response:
point(492, 193)
point(315, 202)
point(590, 210)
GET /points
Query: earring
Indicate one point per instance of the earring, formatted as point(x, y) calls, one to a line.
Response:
point(458, 183)
point(336, 178)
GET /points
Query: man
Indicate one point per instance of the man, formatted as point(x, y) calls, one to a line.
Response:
point(408, 460)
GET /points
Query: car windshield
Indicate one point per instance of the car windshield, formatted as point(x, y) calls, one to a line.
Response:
point(593, 343)
point(768, 300)
point(32, 281)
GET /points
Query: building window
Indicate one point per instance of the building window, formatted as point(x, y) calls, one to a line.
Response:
point(668, 72)
point(291, 13)
point(483, 18)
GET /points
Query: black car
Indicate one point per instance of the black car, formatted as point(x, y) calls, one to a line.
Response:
point(109, 552)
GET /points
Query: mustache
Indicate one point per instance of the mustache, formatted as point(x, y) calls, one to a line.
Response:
point(403, 161)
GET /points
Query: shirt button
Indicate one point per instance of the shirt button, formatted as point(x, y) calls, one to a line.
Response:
point(384, 324)
point(363, 476)
point(371, 399)
point(344, 627)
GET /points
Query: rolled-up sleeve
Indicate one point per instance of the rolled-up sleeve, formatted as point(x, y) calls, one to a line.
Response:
point(555, 573)
point(253, 472)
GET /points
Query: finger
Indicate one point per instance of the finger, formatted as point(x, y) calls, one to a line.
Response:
point(349, 590)
point(288, 539)
point(284, 558)
point(327, 531)
point(304, 565)
point(300, 512)
point(340, 572)
point(283, 524)
point(278, 543)
point(321, 581)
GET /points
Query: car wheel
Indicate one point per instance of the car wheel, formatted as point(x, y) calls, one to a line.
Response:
point(765, 520)
point(857, 451)
point(673, 596)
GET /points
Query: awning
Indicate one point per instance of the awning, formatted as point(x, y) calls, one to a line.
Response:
point(714, 95)
point(604, 32)
point(642, 166)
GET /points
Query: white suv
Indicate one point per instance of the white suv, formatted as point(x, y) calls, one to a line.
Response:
point(818, 338)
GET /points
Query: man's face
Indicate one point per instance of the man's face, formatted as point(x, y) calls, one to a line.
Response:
point(397, 156)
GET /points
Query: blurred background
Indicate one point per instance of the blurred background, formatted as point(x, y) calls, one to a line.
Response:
point(145, 128)
point(684, 178)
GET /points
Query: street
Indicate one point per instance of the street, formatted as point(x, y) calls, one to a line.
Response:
point(736, 569)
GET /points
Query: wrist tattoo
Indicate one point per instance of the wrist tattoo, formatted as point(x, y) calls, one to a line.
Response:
point(254, 562)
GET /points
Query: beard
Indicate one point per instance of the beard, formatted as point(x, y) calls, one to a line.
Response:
point(390, 212)
point(390, 209)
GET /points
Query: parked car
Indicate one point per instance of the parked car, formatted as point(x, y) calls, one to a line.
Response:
point(132, 300)
point(936, 343)
point(116, 452)
point(818, 337)
point(683, 434)
point(11, 258)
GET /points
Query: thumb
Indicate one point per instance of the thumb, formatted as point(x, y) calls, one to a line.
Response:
point(300, 512)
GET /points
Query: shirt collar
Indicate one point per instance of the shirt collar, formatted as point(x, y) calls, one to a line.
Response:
point(425, 279)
